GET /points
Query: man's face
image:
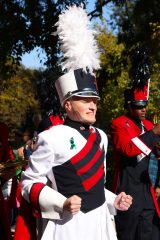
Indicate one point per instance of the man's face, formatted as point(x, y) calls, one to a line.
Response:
point(81, 109)
point(138, 112)
point(26, 136)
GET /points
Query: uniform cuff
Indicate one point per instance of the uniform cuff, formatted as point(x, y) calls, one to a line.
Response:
point(110, 198)
point(51, 203)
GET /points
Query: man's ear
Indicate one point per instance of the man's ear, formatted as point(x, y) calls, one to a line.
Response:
point(67, 105)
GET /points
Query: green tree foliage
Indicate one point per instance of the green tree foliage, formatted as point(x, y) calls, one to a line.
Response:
point(27, 24)
point(136, 21)
point(154, 97)
point(18, 97)
point(113, 76)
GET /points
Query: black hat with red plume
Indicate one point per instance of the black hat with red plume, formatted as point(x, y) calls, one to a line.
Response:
point(139, 93)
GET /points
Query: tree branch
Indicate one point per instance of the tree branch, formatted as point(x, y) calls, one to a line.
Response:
point(97, 12)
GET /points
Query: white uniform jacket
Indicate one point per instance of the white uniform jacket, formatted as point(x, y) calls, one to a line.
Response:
point(59, 152)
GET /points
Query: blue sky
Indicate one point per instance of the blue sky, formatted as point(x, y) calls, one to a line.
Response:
point(31, 60)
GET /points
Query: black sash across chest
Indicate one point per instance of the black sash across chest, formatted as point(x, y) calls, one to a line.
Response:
point(83, 174)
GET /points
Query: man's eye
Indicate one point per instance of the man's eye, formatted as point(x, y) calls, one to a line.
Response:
point(83, 101)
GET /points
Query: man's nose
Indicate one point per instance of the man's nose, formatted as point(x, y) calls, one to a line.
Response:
point(93, 105)
point(144, 109)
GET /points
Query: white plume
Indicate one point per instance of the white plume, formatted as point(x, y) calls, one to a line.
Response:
point(77, 40)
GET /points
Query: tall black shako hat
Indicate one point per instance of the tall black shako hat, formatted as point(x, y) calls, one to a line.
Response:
point(138, 94)
point(80, 55)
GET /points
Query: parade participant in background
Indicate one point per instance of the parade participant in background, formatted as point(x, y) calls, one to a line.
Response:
point(154, 169)
point(26, 140)
point(6, 155)
point(66, 174)
point(154, 173)
point(134, 137)
point(5, 148)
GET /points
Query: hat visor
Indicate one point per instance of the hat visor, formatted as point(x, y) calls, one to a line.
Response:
point(140, 103)
point(86, 93)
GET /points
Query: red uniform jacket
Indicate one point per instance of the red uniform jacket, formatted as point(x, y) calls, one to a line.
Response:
point(129, 142)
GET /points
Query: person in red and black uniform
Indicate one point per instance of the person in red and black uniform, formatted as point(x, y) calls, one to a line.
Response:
point(134, 138)
point(6, 155)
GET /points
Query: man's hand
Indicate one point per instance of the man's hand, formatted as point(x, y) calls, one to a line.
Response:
point(123, 202)
point(72, 204)
point(20, 152)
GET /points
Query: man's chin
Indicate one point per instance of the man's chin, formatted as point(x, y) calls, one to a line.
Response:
point(143, 117)
point(89, 122)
